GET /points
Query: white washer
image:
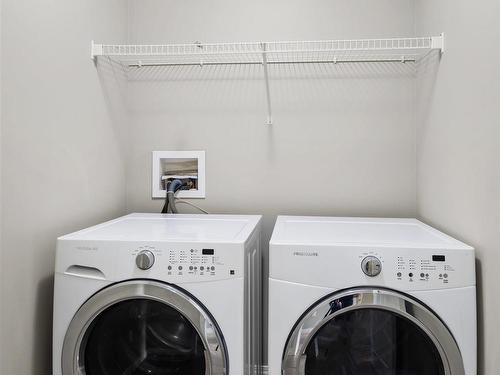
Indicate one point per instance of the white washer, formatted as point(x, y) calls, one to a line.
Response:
point(159, 294)
point(370, 296)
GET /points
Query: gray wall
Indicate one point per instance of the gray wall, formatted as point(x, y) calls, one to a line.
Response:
point(1, 248)
point(334, 149)
point(62, 167)
point(343, 141)
point(459, 145)
point(71, 155)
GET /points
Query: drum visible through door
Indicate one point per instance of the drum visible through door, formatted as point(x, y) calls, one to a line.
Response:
point(371, 331)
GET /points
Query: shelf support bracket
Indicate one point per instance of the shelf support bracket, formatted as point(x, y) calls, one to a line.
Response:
point(266, 79)
point(95, 50)
point(437, 42)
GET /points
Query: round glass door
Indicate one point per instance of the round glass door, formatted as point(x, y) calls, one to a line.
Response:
point(372, 342)
point(371, 332)
point(143, 328)
point(142, 337)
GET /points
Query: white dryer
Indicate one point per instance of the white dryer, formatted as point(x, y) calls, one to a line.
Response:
point(159, 295)
point(359, 296)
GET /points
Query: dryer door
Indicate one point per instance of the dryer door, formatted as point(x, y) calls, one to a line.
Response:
point(143, 327)
point(371, 332)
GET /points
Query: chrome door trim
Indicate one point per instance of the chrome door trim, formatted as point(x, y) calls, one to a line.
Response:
point(73, 348)
point(294, 357)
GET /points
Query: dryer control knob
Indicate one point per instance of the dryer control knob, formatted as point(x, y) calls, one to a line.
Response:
point(145, 260)
point(371, 266)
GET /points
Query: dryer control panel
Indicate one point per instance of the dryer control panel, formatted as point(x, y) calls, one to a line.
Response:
point(430, 268)
point(436, 268)
point(342, 252)
point(391, 267)
point(420, 269)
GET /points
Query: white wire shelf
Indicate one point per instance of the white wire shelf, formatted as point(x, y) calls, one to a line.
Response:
point(324, 51)
point(393, 50)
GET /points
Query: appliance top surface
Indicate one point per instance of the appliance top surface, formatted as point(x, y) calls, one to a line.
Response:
point(347, 231)
point(169, 227)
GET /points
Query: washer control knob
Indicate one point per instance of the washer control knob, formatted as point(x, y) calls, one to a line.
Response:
point(371, 266)
point(145, 260)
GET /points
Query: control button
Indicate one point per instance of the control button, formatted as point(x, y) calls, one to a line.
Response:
point(190, 268)
point(399, 274)
point(445, 275)
point(180, 268)
point(410, 274)
point(426, 275)
point(422, 275)
point(145, 260)
point(169, 268)
point(212, 268)
point(371, 266)
point(440, 275)
point(202, 268)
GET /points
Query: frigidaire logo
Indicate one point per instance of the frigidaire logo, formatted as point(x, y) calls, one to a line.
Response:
point(305, 254)
point(87, 248)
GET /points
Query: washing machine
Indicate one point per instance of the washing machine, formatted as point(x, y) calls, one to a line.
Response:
point(159, 295)
point(359, 296)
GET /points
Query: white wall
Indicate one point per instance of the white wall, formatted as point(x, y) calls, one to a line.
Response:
point(459, 145)
point(62, 167)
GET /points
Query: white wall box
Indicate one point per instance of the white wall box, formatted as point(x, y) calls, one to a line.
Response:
point(392, 50)
point(168, 165)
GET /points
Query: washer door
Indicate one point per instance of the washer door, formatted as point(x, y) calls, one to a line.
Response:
point(371, 332)
point(143, 327)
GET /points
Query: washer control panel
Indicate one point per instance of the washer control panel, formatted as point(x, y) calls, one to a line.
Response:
point(184, 262)
point(371, 266)
point(194, 262)
point(145, 260)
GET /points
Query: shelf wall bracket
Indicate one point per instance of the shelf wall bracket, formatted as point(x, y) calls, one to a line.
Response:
point(266, 79)
point(437, 42)
point(95, 50)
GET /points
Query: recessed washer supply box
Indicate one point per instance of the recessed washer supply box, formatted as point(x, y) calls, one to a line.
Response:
point(184, 165)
